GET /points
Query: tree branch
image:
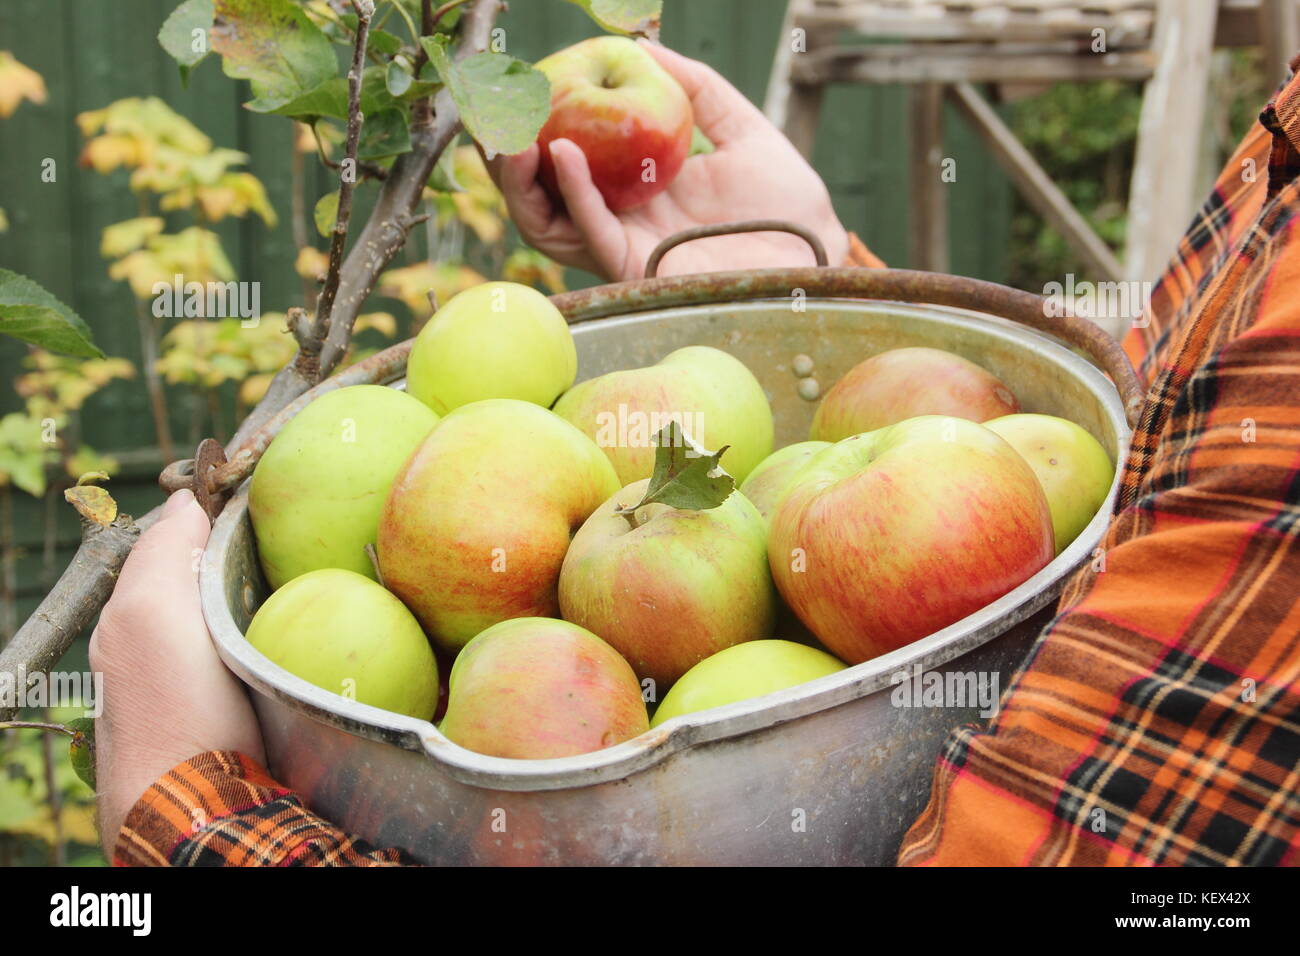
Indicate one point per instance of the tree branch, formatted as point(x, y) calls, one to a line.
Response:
point(88, 581)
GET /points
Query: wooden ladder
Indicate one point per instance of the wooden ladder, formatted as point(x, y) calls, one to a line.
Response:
point(941, 50)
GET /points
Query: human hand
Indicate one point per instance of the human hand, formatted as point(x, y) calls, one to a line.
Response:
point(753, 173)
point(167, 694)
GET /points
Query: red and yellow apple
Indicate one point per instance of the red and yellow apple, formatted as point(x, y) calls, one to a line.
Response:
point(669, 587)
point(744, 671)
point(891, 535)
point(768, 483)
point(533, 688)
point(1071, 465)
point(906, 383)
point(712, 395)
point(476, 526)
point(625, 112)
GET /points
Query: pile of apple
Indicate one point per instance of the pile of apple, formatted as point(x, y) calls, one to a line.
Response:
point(576, 556)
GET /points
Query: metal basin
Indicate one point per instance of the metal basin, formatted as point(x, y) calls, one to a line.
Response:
point(829, 772)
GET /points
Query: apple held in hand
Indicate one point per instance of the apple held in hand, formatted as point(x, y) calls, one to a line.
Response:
point(768, 483)
point(534, 687)
point(1071, 465)
point(477, 524)
point(906, 383)
point(668, 587)
point(495, 340)
point(629, 117)
point(317, 493)
point(346, 634)
point(889, 536)
point(710, 394)
point(742, 672)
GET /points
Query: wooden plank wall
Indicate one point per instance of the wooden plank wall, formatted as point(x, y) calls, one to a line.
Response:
point(92, 53)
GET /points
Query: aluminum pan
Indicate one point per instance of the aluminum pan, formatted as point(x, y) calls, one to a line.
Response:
point(232, 532)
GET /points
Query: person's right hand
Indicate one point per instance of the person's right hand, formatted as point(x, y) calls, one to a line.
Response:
point(753, 173)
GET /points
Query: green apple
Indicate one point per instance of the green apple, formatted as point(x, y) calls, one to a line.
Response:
point(534, 687)
point(495, 340)
point(668, 587)
point(905, 383)
point(744, 671)
point(476, 526)
point(1074, 469)
point(344, 633)
point(711, 394)
point(891, 535)
point(317, 492)
point(768, 483)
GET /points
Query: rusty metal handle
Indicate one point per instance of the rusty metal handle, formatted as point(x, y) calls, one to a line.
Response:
point(731, 229)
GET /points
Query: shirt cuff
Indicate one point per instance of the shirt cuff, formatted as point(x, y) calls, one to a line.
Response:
point(860, 255)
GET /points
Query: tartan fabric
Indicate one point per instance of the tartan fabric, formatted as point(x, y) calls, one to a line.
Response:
point(222, 809)
point(1157, 719)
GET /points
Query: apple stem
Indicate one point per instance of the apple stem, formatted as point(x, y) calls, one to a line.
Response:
point(630, 515)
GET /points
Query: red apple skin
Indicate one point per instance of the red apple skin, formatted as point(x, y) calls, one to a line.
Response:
point(679, 588)
point(906, 383)
point(476, 525)
point(533, 688)
point(620, 107)
point(906, 530)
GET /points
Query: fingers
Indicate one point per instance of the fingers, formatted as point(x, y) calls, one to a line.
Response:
point(600, 228)
point(516, 176)
point(721, 110)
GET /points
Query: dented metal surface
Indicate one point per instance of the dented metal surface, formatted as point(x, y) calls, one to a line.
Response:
point(830, 772)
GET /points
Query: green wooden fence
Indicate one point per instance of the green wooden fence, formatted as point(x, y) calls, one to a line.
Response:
point(92, 52)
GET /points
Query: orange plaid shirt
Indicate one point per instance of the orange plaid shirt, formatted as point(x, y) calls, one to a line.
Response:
point(1157, 719)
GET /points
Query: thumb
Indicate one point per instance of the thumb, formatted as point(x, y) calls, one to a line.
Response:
point(601, 230)
point(167, 554)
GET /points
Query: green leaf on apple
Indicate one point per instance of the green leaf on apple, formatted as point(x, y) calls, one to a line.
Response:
point(273, 45)
point(632, 17)
point(503, 101)
point(177, 34)
point(685, 476)
point(31, 314)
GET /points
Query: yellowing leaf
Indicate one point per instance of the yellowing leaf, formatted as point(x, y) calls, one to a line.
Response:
point(123, 237)
point(412, 284)
point(311, 263)
point(382, 322)
point(92, 503)
point(18, 83)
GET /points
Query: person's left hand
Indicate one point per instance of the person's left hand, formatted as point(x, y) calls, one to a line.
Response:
point(168, 696)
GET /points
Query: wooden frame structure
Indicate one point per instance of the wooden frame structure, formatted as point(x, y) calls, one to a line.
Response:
point(941, 49)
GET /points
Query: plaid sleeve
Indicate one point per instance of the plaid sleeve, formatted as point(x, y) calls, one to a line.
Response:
point(1157, 719)
point(222, 809)
point(860, 255)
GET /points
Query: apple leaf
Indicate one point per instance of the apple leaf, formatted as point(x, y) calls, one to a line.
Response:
point(685, 476)
point(29, 313)
point(273, 45)
point(179, 39)
point(326, 211)
point(81, 749)
point(503, 101)
point(640, 17)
